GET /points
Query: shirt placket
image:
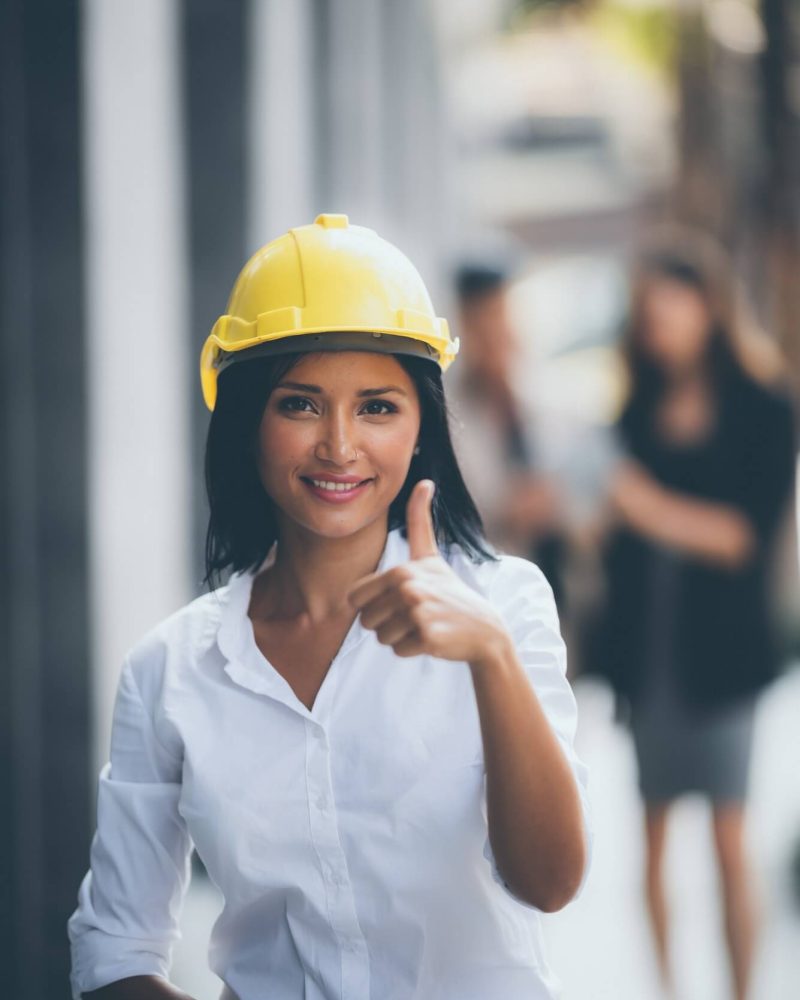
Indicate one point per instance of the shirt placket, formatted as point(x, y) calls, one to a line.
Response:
point(339, 896)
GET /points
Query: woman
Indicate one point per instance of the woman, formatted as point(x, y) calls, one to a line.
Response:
point(321, 727)
point(686, 635)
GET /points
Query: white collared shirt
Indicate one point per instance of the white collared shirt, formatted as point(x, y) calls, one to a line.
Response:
point(349, 842)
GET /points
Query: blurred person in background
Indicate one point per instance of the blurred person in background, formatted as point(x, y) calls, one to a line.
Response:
point(495, 428)
point(685, 635)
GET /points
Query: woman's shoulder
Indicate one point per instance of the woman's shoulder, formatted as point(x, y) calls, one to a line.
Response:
point(179, 639)
point(512, 583)
point(765, 401)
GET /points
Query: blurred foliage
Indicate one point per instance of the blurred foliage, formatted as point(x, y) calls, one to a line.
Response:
point(522, 12)
point(647, 35)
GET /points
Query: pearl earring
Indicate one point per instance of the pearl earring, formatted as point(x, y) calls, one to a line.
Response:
point(416, 450)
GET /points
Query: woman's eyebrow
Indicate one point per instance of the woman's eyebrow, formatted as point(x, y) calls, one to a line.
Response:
point(304, 387)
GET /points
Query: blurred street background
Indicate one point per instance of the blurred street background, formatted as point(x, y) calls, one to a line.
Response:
point(148, 148)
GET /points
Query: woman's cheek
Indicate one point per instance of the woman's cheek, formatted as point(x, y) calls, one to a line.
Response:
point(284, 446)
point(393, 453)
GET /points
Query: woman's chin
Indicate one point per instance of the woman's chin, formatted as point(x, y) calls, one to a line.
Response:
point(339, 523)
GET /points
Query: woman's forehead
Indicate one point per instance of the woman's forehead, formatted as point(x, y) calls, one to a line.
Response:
point(331, 368)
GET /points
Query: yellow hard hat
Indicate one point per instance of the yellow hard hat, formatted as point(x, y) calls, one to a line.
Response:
point(327, 286)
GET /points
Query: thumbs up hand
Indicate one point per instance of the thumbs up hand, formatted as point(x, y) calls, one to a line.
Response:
point(419, 521)
point(422, 606)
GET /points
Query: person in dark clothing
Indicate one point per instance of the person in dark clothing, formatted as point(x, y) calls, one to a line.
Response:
point(685, 634)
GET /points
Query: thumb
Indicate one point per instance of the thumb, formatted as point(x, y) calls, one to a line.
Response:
point(419, 522)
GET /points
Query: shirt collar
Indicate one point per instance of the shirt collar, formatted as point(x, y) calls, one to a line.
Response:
point(233, 637)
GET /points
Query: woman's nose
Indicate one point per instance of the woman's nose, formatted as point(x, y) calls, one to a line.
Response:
point(337, 442)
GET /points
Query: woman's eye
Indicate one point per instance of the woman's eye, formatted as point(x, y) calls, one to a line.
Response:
point(302, 404)
point(388, 407)
point(294, 404)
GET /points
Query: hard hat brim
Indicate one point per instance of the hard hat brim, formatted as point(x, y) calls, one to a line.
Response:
point(217, 359)
point(339, 340)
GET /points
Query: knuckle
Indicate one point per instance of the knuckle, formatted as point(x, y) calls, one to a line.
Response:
point(418, 617)
point(409, 590)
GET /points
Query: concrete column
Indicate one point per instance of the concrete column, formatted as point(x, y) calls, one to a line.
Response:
point(415, 141)
point(349, 123)
point(44, 613)
point(281, 86)
point(215, 97)
point(137, 340)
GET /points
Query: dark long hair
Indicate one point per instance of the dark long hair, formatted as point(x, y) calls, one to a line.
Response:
point(242, 523)
point(737, 350)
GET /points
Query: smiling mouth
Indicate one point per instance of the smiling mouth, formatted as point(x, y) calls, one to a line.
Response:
point(331, 486)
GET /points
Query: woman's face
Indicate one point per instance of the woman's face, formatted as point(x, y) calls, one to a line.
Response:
point(676, 323)
point(336, 440)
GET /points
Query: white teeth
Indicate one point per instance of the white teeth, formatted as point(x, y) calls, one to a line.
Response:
point(335, 487)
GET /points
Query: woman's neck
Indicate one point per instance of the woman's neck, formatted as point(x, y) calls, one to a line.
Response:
point(311, 574)
point(692, 379)
point(686, 411)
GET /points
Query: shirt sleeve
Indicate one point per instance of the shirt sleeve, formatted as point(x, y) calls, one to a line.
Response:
point(524, 597)
point(130, 900)
point(769, 464)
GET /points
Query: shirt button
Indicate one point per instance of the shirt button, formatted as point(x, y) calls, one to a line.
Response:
point(322, 803)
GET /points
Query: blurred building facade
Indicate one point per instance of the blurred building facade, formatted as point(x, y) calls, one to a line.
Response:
point(148, 149)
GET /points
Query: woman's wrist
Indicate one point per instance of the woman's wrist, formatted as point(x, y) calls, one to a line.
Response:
point(494, 654)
